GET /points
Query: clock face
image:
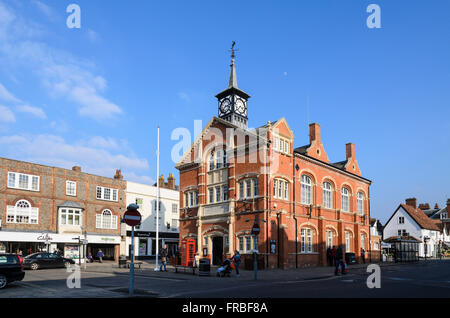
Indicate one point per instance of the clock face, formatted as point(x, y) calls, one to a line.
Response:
point(225, 106)
point(240, 107)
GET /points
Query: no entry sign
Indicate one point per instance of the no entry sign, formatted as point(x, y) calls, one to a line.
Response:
point(132, 217)
point(255, 229)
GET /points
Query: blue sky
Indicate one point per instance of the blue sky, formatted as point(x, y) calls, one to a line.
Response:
point(94, 96)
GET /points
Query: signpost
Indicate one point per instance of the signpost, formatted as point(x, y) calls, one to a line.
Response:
point(132, 217)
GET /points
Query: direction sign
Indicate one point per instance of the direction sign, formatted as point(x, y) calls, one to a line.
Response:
point(132, 217)
point(255, 229)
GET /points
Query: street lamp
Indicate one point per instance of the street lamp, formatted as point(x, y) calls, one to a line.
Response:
point(425, 240)
point(255, 232)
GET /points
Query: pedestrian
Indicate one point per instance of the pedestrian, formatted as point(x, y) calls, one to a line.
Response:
point(163, 258)
point(90, 259)
point(339, 261)
point(363, 255)
point(329, 259)
point(100, 256)
point(237, 261)
point(333, 255)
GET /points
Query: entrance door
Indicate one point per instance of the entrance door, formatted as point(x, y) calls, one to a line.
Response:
point(217, 250)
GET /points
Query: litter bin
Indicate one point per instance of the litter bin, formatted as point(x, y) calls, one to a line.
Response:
point(204, 267)
point(350, 258)
point(122, 261)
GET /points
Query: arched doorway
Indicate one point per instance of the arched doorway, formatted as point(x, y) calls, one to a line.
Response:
point(217, 250)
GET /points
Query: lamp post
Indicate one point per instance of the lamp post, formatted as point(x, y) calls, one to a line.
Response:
point(255, 232)
point(425, 240)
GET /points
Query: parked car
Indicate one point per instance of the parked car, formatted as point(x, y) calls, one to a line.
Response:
point(46, 260)
point(10, 269)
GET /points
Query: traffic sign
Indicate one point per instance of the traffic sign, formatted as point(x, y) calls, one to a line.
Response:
point(132, 217)
point(255, 229)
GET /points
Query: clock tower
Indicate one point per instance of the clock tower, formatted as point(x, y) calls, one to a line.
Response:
point(233, 101)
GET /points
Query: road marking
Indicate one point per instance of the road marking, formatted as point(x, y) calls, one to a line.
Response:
point(51, 290)
point(399, 278)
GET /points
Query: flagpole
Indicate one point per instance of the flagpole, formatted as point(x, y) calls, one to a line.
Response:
point(157, 204)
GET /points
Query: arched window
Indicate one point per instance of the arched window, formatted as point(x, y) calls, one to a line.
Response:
point(348, 242)
point(306, 190)
point(345, 203)
point(22, 212)
point(306, 240)
point(360, 203)
point(327, 195)
point(106, 220)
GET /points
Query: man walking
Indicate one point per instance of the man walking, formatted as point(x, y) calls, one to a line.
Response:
point(339, 261)
point(237, 261)
point(163, 258)
point(100, 256)
point(363, 255)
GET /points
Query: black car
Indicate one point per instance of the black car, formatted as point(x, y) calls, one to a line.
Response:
point(46, 260)
point(10, 269)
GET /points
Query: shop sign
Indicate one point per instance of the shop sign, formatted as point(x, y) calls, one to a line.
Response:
point(108, 239)
point(45, 237)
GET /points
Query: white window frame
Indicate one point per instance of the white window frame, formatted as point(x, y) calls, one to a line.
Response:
point(71, 185)
point(360, 203)
point(211, 195)
point(175, 208)
point(306, 189)
point(327, 195)
point(348, 242)
point(329, 238)
point(113, 193)
point(401, 220)
point(64, 214)
point(306, 241)
point(345, 199)
point(100, 222)
point(241, 243)
point(20, 211)
point(248, 244)
point(31, 181)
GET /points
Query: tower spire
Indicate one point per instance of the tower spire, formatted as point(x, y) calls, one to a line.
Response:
point(233, 79)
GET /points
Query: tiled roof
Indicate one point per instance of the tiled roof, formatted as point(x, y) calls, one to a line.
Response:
point(340, 164)
point(422, 219)
point(70, 204)
point(302, 150)
point(394, 239)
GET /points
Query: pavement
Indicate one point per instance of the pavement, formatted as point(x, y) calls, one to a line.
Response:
point(423, 279)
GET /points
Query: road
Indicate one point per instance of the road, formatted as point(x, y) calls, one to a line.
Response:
point(425, 279)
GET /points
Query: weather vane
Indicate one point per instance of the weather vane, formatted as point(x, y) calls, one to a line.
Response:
point(233, 50)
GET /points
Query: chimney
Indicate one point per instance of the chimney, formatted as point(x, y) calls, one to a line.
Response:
point(161, 181)
point(436, 206)
point(76, 168)
point(171, 181)
point(350, 150)
point(314, 132)
point(424, 206)
point(118, 175)
point(411, 202)
point(448, 206)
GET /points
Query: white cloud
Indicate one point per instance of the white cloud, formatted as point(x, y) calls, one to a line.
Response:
point(101, 142)
point(131, 176)
point(36, 111)
point(54, 150)
point(6, 115)
point(48, 11)
point(184, 96)
point(61, 73)
point(7, 96)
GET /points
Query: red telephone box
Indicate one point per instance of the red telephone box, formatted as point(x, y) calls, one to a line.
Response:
point(187, 252)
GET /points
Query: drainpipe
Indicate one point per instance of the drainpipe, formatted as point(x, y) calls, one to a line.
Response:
point(278, 239)
point(268, 202)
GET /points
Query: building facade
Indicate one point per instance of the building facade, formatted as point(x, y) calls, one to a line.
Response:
point(145, 196)
point(233, 177)
point(46, 208)
point(430, 228)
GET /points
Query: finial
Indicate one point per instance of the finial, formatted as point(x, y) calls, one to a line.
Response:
point(233, 50)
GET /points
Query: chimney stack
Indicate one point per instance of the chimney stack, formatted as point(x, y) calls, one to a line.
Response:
point(424, 206)
point(76, 168)
point(448, 206)
point(161, 181)
point(411, 202)
point(350, 150)
point(436, 206)
point(314, 132)
point(118, 175)
point(171, 181)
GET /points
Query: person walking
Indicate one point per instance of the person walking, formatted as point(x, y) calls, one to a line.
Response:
point(163, 254)
point(333, 255)
point(237, 261)
point(363, 255)
point(339, 261)
point(329, 260)
point(100, 256)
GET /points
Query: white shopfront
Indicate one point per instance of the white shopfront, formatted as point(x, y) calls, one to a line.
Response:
point(69, 245)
